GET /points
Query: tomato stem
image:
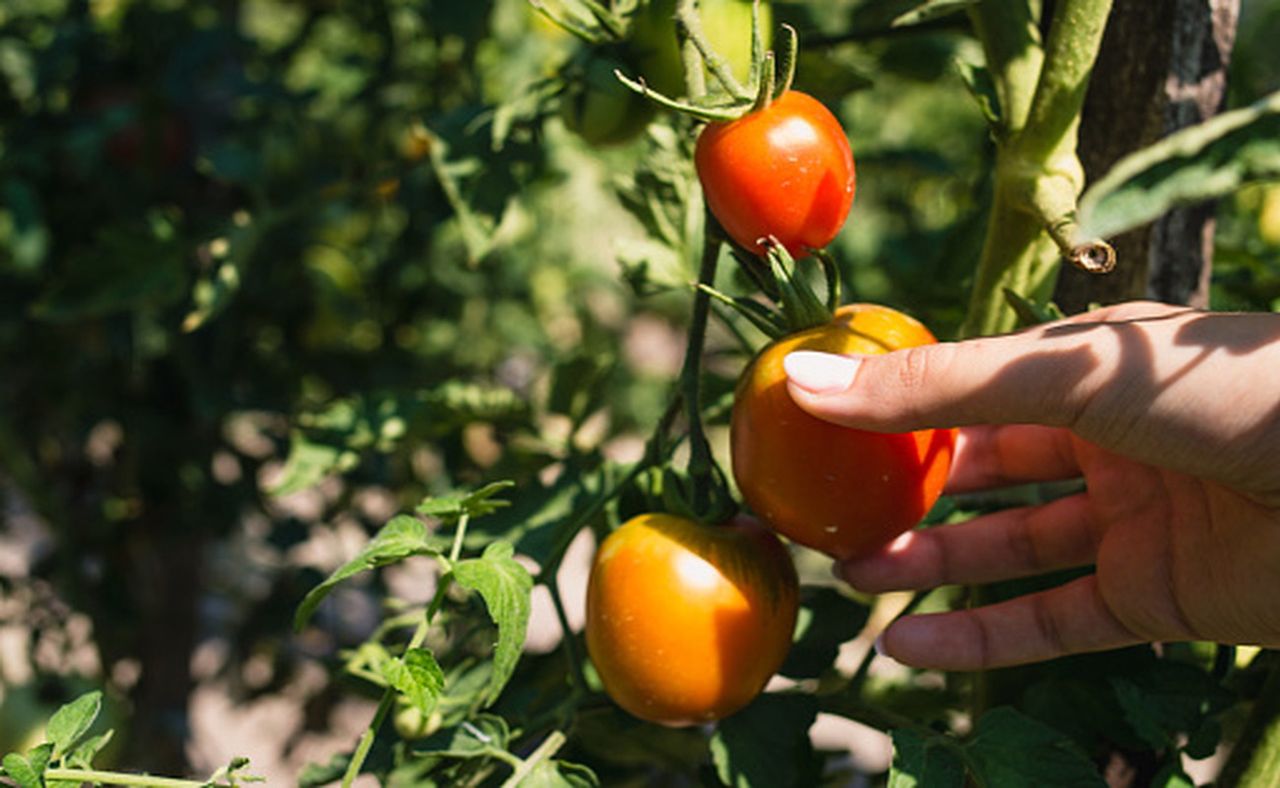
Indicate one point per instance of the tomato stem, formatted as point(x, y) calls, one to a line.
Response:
point(420, 634)
point(700, 459)
point(689, 26)
point(1255, 758)
point(1038, 178)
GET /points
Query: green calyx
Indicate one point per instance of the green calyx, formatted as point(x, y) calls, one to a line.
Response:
point(795, 304)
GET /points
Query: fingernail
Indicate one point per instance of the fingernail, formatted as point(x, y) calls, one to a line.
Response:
point(820, 373)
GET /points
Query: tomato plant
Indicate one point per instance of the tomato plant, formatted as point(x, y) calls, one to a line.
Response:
point(686, 623)
point(843, 491)
point(727, 24)
point(785, 171)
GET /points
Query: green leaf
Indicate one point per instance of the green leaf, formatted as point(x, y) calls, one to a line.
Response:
point(1011, 750)
point(929, 10)
point(473, 504)
point(1167, 701)
point(978, 80)
point(541, 518)
point(71, 722)
point(767, 743)
point(82, 757)
point(128, 266)
point(924, 762)
point(827, 619)
point(417, 676)
point(309, 462)
point(1172, 776)
point(559, 774)
point(20, 770)
point(505, 586)
point(402, 537)
point(331, 439)
point(28, 238)
point(1203, 162)
point(1029, 312)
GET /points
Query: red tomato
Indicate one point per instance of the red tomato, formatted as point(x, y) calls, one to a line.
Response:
point(785, 171)
point(686, 622)
point(843, 491)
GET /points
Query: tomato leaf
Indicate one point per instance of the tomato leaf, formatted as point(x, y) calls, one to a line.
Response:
point(402, 537)
point(764, 743)
point(982, 86)
point(82, 757)
point(1168, 700)
point(505, 586)
point(1202, 162)
point(543, 518)
point(924, 762)
point(1010, 749)
point(331, 439)
point(928, 10)
point(559, 774)
point(21, 771)
point(827, 618)
point(69, 723)
point(417, 676)
point(473, 504)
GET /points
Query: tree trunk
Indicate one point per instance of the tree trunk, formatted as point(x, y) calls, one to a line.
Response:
point(1163, 67)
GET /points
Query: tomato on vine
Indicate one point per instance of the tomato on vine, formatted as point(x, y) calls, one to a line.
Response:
point(785, 171)
point(599, 108)
point(686, 622)
point(843, 491)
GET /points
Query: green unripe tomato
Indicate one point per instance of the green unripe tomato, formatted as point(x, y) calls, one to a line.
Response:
point(411, 724)
point(599, 108)
point(726, 24)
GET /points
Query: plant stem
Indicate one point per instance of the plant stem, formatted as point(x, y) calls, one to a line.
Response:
point(570, 647)
point(687, 26)
point(1255, 759)
point(420, 634)
point(79, 776)
point(548, 748)
point(1038, 175)
point(701, 472)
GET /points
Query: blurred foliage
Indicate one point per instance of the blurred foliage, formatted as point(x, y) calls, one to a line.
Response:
point(264, 261)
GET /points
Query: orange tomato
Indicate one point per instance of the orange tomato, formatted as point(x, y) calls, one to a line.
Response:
point(686, 622)
point(843, 491)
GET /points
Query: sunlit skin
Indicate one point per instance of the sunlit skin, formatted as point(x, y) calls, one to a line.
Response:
point(786, 171)
point(1170, 416)
point(687, 622)
point(843, 491)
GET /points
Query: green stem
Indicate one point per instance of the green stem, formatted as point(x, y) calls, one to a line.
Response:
point(1038, 174)
point(419, 635)
point(689, 23)
point(576, 673)
point(1255, 759)
point(548, 748)
point(79, 776)
point(701, 472)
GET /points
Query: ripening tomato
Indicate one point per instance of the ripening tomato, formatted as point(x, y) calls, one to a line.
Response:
point(686, 622)
point(843, 491)
point(599, 108)
point(785, 171)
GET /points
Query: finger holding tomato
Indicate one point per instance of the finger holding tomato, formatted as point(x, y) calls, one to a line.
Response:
point(687, 622)
point(843, 491)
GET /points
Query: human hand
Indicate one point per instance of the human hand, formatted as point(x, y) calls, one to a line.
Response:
point(1172, 418)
